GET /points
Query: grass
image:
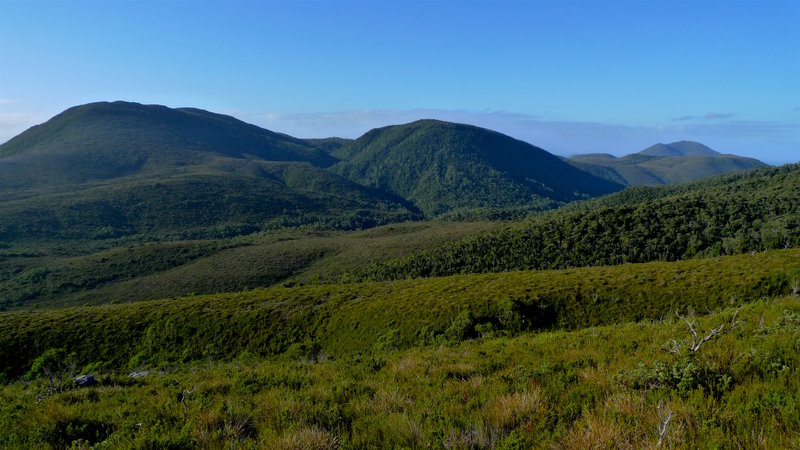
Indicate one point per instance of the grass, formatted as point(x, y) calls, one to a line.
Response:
point(63, 273)
point(599, 387)
point(345, 319)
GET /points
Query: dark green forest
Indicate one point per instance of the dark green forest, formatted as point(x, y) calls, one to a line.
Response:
point(732, 214)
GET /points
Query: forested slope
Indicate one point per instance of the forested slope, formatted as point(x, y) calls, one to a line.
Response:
point(730, 214)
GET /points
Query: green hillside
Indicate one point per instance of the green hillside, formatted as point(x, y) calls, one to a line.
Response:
point(679, 162)
point(99, 141)
point(342, 319)
point(751, 211)
point(107, 170)
point(227, 287)
point(210, 201)
point(54, 274)
point(444, 166)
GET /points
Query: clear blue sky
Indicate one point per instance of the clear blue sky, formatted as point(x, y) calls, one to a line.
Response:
point(568, 76)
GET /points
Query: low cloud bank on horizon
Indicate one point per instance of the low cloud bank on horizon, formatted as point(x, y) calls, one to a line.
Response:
point(771, 142)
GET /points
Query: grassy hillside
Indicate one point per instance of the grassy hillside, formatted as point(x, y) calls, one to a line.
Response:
point(343, 319)
point(600, 387)
point(753, 211)
point(443, 166)
point(679, 162)
point(58, 273)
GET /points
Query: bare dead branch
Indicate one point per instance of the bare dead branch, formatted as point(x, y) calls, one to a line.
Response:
point(698, 341)
point(734, 323)
point(187, 393)
point(713, 333)
point(672, 347)
point(663, 422)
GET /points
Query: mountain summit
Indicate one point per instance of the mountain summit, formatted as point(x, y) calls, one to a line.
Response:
point(106, 140)
point(678, 162)
point(680, 148)
point(442, 166)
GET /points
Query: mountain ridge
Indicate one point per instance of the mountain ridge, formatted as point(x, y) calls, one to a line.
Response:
point(112, 169)
point(677, 162)
point(443, 166)
point(109, 139)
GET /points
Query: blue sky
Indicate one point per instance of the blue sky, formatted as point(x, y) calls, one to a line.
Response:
point(568, 76)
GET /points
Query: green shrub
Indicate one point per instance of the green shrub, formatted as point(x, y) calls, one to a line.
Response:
point(461, 328)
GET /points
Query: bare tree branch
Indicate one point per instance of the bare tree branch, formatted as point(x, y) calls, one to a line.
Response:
point(663, 422)
point(672, 347)
point(696, 340)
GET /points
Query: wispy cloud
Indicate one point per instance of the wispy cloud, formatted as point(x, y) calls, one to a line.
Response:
point(708, 116)
point(713, 115)
point(6, 101)
point(14, 123)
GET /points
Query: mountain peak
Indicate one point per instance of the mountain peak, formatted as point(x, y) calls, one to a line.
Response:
point(680, 148)
point(110, 139)
point(443, 166)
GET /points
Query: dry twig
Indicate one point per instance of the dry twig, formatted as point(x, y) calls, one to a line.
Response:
point(663, 422)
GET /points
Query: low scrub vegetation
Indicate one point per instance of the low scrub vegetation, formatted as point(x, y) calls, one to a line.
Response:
point(605, 386)
point(76, 273)
point(346, 319)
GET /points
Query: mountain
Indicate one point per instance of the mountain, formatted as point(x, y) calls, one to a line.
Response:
point(681, 148)
point(117, 169)
point(443, 166)
point(106, 140)
point(678, 162)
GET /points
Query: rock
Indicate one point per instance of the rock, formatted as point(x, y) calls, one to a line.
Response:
point(85, 381)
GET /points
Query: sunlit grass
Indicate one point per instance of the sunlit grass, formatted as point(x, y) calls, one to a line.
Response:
point(595, 387)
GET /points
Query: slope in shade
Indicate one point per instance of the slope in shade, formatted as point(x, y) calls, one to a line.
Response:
point(443, 166)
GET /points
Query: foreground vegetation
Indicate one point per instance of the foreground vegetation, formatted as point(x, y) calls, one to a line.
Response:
point(634, 385)
point(342, 319)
